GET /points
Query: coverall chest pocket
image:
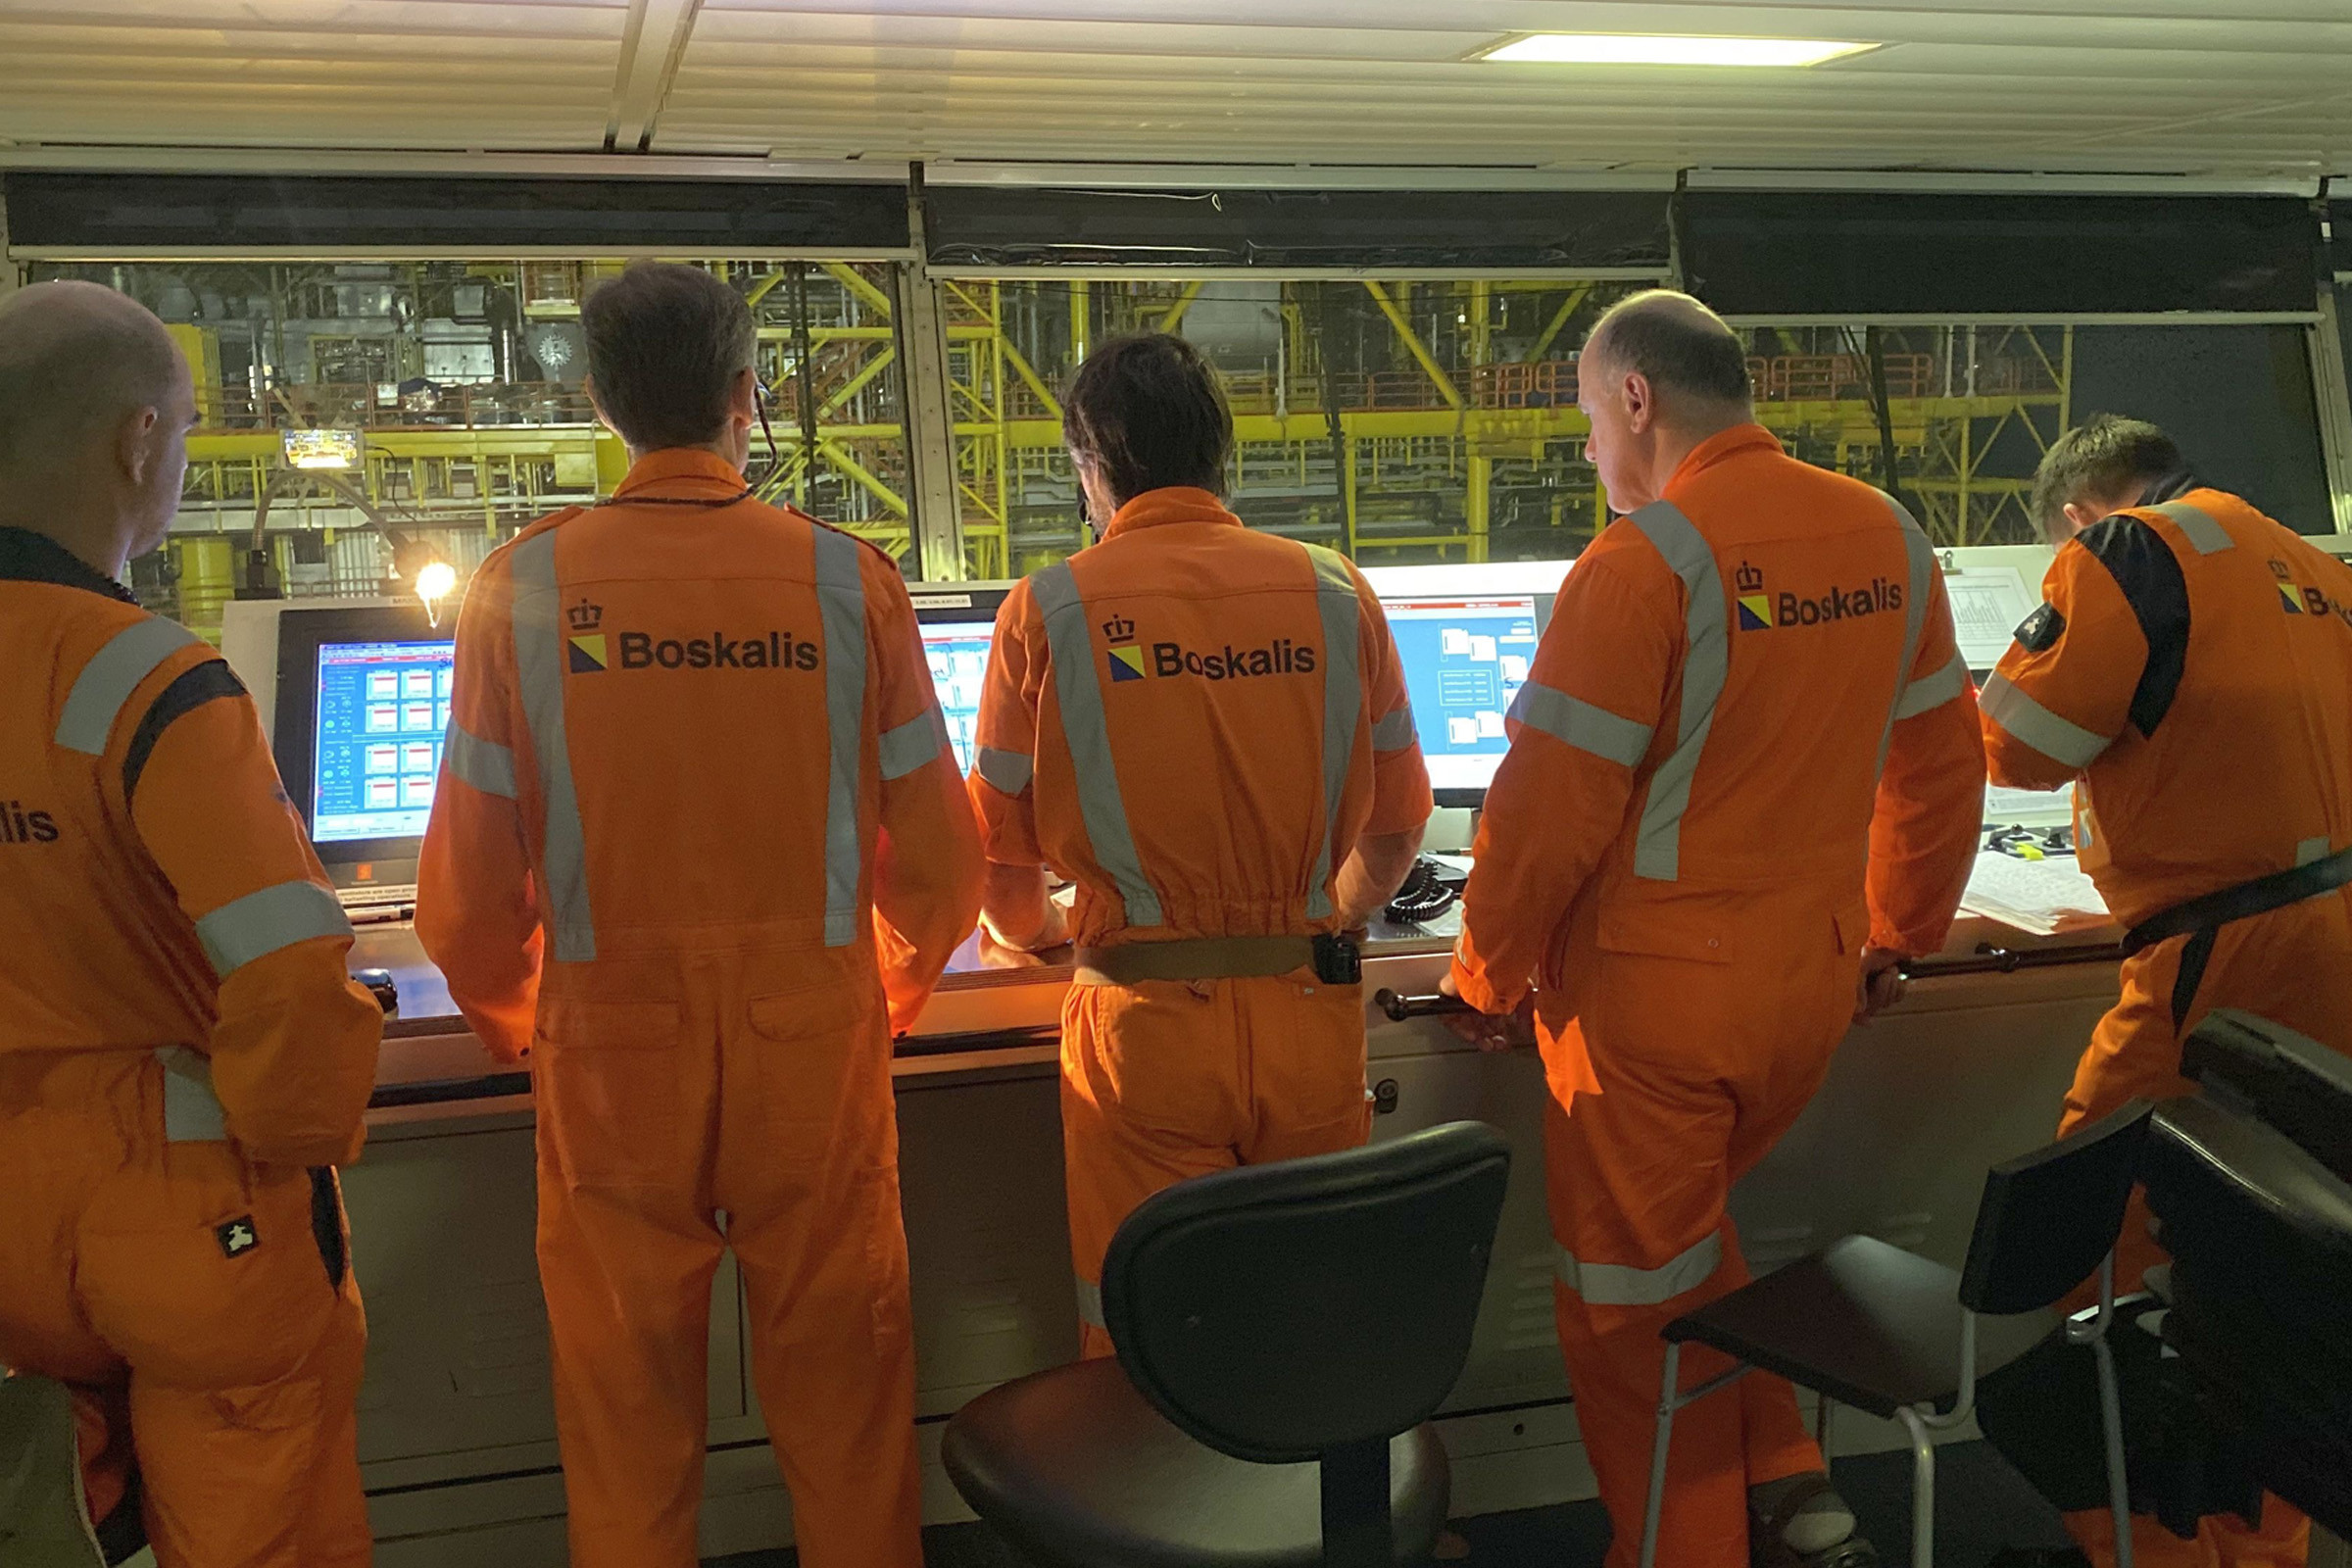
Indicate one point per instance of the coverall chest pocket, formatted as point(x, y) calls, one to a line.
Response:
point(606, 1075)
point(1159, 1054)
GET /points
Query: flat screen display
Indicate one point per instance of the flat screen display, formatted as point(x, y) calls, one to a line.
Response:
point(1465, 656)
point(383, 710)
point(958, 653)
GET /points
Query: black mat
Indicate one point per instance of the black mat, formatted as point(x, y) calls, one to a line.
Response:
point(1983, 1508)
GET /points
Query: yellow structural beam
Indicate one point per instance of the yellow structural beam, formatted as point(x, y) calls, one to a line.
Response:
point(1184, 302)
point(1576, 296)
point(1414, 345)
point(864, 287)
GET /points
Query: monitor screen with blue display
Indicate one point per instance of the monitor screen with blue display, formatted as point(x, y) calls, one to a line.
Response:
point(959, 655)
point(1465, 656)
point(383, 708)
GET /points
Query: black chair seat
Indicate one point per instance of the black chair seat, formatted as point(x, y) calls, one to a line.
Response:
point(1077, 1470)
point(1870, 1325)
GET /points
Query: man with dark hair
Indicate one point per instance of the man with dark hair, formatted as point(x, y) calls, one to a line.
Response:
point(1695, 869)
point(1206, 730)
point(699, 849)
point(2191, 673)
point(183, 1059)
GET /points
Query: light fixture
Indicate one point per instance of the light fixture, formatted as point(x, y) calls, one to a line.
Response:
point(435, 581)
point(1667, 49)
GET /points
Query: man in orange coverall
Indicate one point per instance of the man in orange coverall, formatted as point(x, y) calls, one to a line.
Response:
point(1745, 779)
point(1206, 730)
point(2190, 673)
point(699, 849)
point(183, 1060)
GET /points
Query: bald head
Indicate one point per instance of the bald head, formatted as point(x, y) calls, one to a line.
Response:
point(1687, 353)
point(95, 405)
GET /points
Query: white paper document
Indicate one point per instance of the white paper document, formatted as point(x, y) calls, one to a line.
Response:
point(1987, 603)
point(2042, 897)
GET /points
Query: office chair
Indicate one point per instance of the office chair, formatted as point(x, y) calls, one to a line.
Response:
point(1285, 1332)
point(1885, 1331)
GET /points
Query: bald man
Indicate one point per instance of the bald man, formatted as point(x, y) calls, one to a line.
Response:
point(1745, 781)
point(183, 1060)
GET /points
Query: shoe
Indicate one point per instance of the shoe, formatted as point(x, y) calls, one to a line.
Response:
point(44, 1519)
point(1767, 1534)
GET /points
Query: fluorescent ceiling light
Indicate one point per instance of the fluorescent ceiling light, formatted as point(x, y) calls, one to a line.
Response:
point(1669, 49)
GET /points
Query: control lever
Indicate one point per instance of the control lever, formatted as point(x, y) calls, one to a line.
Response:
point(379, 983)
point(1398, 1009)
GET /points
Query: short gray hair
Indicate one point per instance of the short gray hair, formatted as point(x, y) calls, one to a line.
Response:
point(1678, 345)
point(75, 356)
point(665, 343)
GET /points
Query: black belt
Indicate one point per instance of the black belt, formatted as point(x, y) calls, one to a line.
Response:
point(2201, 919)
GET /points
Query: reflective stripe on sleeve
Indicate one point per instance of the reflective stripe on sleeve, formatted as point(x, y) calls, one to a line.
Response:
point(1623, 1284)
point(539, 660)
point(841, 591)
point(1933, 691)
point(1006, 772)
point(1090, 1305)
point(1085, 730)
point(2059, 739)
point(1706, 662)
point(1572, 721)
point(260, 923)
point(1343, 708)
point(2203, 530)
point(107, 681)
point(912, 744)
point(1921, 559)
point(192, 1113)
point(1394, 732)
point(485, 765)
point(2311, 849)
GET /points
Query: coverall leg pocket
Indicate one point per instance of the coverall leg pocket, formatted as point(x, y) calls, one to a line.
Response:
point(606, 1076)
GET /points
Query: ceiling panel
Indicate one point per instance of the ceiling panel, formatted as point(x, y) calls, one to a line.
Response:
point(2229, 88)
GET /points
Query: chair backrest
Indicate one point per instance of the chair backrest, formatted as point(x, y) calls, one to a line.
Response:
point(2288, 1080)
point(1276, 1312)
point(2048, 1218)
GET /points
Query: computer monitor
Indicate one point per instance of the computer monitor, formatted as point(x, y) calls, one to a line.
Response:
point(1466, 655)
point(958, 625)
point(363, 711)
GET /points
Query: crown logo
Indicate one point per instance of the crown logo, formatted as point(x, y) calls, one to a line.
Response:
point(1749, 579)
point(2279, 571)
point(585, 616)
point(1118, 628)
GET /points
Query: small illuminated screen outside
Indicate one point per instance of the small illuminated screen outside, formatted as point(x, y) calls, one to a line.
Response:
point(959, 655)
point(383, 708)
point(1465, 658)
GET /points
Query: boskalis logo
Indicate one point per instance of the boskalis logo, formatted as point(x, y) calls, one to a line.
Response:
point(19, 826)
point(592, 650)
point(1132, 660)
point(1761, 610)
point(1126, 655)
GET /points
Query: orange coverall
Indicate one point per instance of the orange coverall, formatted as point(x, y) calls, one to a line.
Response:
point(182, 1061)
point(1747, 748)
point(2191, 674)
point(695, 753)
point(1194, 723)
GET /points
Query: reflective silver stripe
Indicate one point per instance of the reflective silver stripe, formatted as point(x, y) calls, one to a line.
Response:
point(485, 765)
point(1707, 661)
point(1343, 708)
point(912, 744)
point(1090, 1305)
point(192, 1113)
point(841, 593)
point(1007, 772)
point(2311, 849)
point(1921, 557)
point(2062, 740)
point(1933, 691)
point(1086, 728)
point(1394, 732)
point(539, 660)
point(1623, 1284)
point(1573, 722)
point(260, 923)
point(107, 681)
point(2204, 531)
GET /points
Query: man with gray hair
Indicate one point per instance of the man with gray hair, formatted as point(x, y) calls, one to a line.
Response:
point(2191, 673)
point(183, 1060)
point(1694, 873)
